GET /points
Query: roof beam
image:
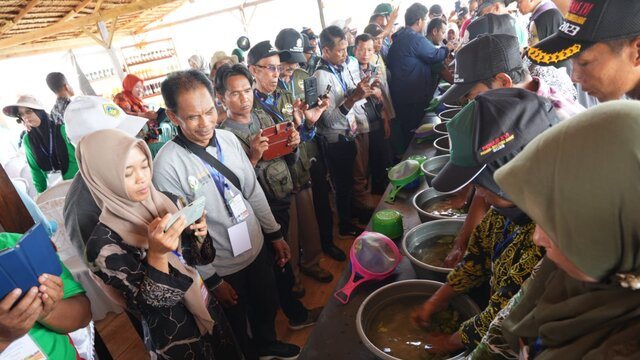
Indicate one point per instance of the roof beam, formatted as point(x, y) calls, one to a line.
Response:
point(98, 6)
point(75, 11)
point(81, 22)
point(144, 29)
point(11, 23)
point(48, 47)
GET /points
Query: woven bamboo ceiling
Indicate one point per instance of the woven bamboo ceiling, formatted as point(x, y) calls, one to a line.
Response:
point(37, 24)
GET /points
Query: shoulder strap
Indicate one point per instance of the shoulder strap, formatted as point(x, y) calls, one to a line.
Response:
point(209, 159)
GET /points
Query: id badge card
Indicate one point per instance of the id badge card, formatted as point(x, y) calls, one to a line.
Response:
point(23, 349)
point(238, 208)
point(239, 238)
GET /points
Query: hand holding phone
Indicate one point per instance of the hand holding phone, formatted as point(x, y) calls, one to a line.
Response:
point(278, 136)
point(311, 91)
point(191, 212)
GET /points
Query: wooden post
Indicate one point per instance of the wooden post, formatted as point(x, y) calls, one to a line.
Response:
point(321, 11)
point(14, 217)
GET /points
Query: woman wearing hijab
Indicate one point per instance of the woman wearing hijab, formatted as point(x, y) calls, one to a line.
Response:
point(579, 183)
point(452, 32)
point(148, 269)
point(130, 100)
point(196, 62)
point(46, 145)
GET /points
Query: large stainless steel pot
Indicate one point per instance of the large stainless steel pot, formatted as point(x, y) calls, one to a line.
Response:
point(428, 232)
point(392, 292)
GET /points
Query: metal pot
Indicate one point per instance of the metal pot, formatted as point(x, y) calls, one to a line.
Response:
point(424, 199)
point(452, 106)
point(442, 145)
point(430, 118)
point(390, 293)
point(432, 166)
point(428, 232)
point(447, 115)
point(441, 129)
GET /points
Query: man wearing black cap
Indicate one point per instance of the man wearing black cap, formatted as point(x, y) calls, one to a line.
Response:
point(493, 61)
point(272, 105)
point(410, 60)
point(338, 125)
point(484, 137)
point(602, 39)
point(292, 79)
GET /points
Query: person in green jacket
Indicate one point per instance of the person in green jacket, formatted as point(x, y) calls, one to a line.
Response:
point(46, 144)
point(44, 316)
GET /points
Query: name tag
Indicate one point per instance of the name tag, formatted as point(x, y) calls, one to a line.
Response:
point(23, 349)
point(239, 237)
point(238, 208)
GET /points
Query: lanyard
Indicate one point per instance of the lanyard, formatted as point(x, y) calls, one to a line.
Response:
point(50, 153)
point(292, 90)
point(339, 76)
point(270, 108)
point(506, 240)
point(218, 178)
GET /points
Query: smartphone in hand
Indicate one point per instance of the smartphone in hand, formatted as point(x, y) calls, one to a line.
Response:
point(311, 91)
point(191, 212)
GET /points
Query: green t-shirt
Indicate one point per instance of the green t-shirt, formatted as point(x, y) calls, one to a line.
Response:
point(39, 176)
point(54, 345)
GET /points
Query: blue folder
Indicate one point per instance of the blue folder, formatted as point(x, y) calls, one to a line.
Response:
point(21, 265)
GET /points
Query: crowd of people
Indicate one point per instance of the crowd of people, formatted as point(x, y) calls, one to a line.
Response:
point(551, 232)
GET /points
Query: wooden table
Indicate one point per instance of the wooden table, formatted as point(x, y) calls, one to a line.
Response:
point(335, 336)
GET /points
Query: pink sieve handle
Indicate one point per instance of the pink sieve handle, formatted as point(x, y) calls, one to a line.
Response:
point(344, 294)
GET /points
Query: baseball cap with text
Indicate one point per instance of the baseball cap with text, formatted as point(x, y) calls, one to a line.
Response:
point(587, 23)
point(489, 132)
point(481, 59)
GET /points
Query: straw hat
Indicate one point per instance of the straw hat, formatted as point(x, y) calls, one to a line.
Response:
point(221, 55)
point(27, 101)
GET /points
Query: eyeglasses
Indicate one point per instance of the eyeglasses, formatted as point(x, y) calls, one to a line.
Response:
point(271, 68)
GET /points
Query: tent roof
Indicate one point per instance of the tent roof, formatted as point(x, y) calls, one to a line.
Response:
point(36, 24)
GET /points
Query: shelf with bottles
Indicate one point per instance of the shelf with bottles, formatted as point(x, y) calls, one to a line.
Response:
point(102, 74)
point(151, 89)
point(152, 73)
point(151, 56)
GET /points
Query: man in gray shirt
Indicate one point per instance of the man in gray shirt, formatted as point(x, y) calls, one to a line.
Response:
point(237, 211)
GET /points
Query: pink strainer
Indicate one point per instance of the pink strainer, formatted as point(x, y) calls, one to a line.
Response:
point(373, 257)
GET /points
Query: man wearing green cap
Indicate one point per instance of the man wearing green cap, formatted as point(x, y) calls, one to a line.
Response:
point(483, 139)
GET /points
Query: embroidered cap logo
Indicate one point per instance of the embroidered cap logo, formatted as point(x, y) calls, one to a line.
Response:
point(111, 110)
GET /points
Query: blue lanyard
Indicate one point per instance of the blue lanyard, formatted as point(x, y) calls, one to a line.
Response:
point(218, 178)
point(292, 90)
point(270, 108)
point(506, 240)
point(176, 253)
point(339, 76)
point(50, 153)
